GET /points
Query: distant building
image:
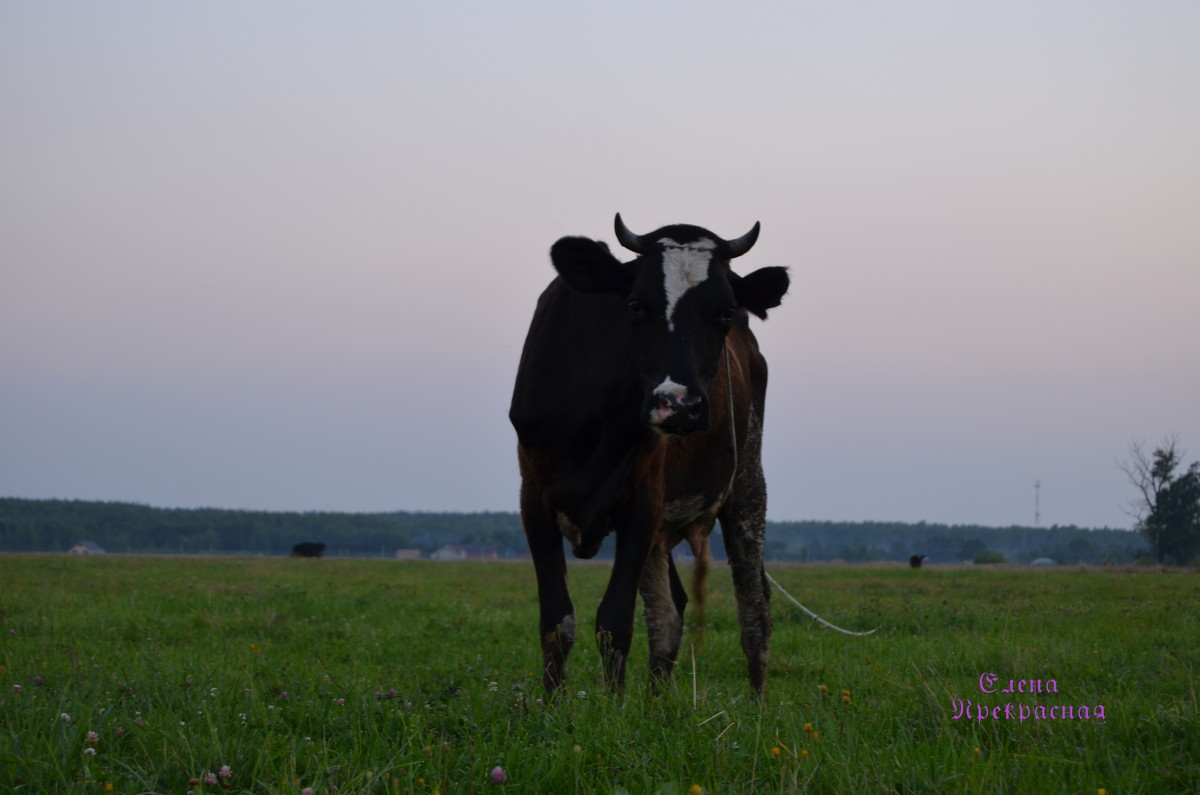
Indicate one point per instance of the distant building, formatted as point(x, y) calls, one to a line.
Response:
point(1042, 562)
point(408, 554)
point(86, 548)
point(466, 552)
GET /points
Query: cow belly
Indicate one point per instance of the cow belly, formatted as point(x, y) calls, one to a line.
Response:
point(687, 518)
point(681, 518)
point(683, 511)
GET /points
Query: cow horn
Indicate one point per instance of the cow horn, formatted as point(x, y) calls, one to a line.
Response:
point(628, 239)
point(743, 244)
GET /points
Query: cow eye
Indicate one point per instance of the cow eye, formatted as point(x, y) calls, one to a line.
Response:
point(636, 308)
point(728, 315)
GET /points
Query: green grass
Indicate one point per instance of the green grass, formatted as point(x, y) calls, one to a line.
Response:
point(377, 676)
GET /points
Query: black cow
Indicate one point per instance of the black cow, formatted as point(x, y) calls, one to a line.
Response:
point(915, 561)
point(308, 549)
point(638, 408)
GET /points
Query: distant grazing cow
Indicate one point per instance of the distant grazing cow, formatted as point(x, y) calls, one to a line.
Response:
point(638, 408)
point(915, 561)
point(308, 549)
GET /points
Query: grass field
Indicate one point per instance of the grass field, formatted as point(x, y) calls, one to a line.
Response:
point(144, 674)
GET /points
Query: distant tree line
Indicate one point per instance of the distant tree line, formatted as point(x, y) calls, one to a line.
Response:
point(56, 525)
point(875, 541)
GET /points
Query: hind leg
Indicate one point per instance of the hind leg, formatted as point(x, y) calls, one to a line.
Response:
point(664, 600)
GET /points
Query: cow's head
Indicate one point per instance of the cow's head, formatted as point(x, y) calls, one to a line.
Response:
point(682, 299)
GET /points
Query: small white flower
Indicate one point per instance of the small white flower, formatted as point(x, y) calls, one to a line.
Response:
point(65, 718)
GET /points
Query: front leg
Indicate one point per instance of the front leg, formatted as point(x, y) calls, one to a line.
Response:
point(614, 620)
point(557, 621)
point(743, 523)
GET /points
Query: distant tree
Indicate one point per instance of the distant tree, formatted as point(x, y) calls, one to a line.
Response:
point(990, 556)
point(970, 548)
point(1080, 550)
point(1167, 509)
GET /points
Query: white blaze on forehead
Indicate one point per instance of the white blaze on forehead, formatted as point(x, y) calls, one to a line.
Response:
point(685, 265)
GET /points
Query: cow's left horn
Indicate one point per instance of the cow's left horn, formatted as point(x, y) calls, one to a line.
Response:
point(743, 244)
point(628, 239)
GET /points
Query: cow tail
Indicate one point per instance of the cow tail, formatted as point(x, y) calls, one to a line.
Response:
point(700, 589)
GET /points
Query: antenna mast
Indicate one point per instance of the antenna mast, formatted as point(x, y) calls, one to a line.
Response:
point(1037, 502)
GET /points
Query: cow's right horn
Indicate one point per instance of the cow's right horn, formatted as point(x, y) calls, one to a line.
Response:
point(628, 239)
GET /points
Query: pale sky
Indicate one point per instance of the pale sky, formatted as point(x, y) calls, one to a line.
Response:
point(283, 255)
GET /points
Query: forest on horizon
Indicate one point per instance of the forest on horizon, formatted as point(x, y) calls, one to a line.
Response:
point(57, 525)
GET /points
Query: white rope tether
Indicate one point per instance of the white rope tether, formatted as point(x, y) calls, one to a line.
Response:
point(733, 477)
point(813, 615)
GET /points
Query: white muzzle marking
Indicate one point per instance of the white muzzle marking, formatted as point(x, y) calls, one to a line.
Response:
point(670, 389)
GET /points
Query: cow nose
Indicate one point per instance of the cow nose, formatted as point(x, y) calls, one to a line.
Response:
point(677, 413)
point(671, 404)
point(676, 409)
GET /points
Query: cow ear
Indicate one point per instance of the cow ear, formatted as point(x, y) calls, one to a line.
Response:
point(588, 267)
point(761, 290)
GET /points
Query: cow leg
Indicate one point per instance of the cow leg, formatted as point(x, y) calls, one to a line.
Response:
point(743, 523)
point(557, 622)
point(664, 599)
point(614, 620)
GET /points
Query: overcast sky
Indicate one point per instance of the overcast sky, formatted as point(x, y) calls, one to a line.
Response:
point(283, 255)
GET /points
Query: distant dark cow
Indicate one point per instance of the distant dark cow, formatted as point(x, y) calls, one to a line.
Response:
point(915, 561)
point(638, 408)
point(308, 549)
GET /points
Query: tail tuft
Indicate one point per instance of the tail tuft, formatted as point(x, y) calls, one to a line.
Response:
point(699, 589)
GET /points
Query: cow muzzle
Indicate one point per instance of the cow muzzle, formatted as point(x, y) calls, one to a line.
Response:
point(673, 410)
